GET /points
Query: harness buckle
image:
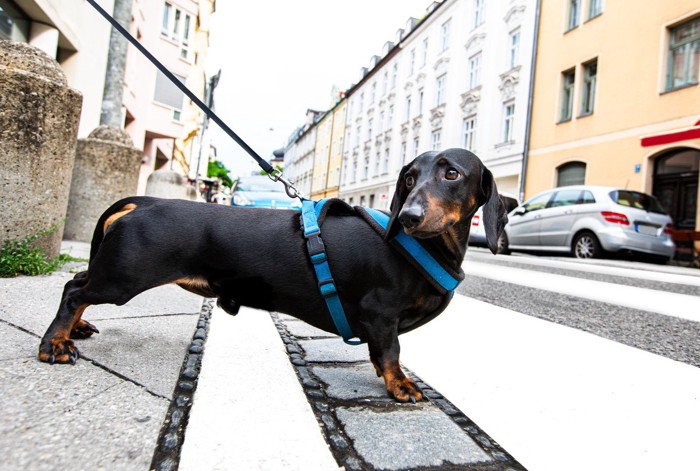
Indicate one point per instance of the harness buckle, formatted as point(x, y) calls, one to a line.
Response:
point(315, 245)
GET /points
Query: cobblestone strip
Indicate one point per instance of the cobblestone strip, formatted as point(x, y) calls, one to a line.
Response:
point(365, 429)
point(166, 456)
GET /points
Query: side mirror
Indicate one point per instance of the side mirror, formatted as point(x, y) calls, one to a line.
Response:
point(519, 211)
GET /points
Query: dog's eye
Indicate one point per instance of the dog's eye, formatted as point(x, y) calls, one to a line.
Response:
point(451, 174)
point(410, 181)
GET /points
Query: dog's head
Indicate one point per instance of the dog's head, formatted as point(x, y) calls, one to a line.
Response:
point(438, 190)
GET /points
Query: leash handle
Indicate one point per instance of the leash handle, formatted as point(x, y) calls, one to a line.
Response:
point(261, 162)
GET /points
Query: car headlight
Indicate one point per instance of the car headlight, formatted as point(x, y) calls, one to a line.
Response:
point(240, 200)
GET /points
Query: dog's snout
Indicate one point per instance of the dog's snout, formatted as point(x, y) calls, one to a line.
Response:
point(411, 217)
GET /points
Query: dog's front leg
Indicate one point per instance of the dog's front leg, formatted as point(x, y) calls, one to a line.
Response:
point(383, 342)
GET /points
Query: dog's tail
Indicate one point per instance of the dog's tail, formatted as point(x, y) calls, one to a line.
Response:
point(114, 212)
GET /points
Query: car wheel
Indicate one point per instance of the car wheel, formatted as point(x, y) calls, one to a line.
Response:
point(502, 247)
point(586, 245)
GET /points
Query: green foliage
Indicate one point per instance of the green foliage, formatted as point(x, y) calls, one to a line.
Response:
point(20, 257)
point(216, 169)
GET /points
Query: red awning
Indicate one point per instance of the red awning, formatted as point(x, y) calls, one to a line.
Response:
point(669, 137)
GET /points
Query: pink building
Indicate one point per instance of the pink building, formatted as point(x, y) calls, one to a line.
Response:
point(157, 112)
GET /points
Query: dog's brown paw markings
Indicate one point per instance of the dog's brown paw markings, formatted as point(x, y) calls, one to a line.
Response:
point(62, 351)
point(405, 390)
point(83, 329)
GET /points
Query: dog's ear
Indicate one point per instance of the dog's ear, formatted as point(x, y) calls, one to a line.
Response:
point(495, 215)
point(397, 202)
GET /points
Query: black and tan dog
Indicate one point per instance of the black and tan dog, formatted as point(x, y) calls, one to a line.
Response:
point(258, 258)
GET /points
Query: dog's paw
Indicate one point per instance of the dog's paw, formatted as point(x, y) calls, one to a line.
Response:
point(60, 351)
point(404, 390)
point(83, 329)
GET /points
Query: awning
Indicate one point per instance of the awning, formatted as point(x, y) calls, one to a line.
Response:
point(669, 137)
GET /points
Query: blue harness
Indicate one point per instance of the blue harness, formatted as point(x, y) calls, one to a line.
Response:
point(310, 213)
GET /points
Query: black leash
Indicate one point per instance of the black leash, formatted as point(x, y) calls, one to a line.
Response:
point(272, 172)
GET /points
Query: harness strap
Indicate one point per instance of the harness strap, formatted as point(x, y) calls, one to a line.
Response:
point(418, 252)
point(310, 211)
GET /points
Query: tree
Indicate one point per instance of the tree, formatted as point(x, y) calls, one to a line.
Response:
point(216, 169)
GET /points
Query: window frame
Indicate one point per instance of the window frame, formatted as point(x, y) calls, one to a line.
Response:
point(566, 108)
point(588, 88)
point(689, 69)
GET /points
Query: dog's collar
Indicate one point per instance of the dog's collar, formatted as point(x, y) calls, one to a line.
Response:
point(442, 279)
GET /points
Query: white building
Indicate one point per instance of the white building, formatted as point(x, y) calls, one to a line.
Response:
point(459, 77)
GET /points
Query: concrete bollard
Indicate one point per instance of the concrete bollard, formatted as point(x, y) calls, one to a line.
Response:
point(168, 184)
point(39, 117)
point(106, 170)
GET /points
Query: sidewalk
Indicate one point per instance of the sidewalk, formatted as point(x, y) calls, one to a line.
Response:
point(273, 393)
point(106, 411)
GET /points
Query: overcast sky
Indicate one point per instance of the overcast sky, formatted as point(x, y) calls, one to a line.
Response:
point(280, 57)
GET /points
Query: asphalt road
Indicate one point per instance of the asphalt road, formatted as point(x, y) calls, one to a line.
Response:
point(664, 334)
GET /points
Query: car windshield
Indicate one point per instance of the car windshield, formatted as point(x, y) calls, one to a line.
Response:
point(259, 184)
point(637, 200)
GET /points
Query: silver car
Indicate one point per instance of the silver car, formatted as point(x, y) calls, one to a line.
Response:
point(589, 221)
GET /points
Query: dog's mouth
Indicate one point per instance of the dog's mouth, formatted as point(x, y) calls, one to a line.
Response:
point(430, 229)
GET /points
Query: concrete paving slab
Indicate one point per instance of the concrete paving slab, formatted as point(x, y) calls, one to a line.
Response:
point(148, 350)
point(249, 409)
point(333, 350)
point(301, 329)
point(421, 436)
point(351, 382)
point(16, 344)
point(78, 417)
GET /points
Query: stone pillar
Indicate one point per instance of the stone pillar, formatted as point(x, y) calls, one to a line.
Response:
point(106, 170)
point(169, 184)
point(39, 116)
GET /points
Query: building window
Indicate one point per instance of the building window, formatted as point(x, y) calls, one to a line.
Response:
point(390, 118)
point(446, 35)
point(574, 7)
point(408, 108)
point(474, 71)
point(361, 103)
point(416, 142)
point(394, 75)
point(508, 116)
point(435, 140)
point(412, 63)
point(381, 122)
point(357, 137)
point(178, 26)
point(167, 92)
point(353, 176)
point(365, 169)
point(424, 59)
point(468, 133)
point(478, 12)
point(385, 166)
point(420, 102)
point(14, 24)
point(595, 8)
point(385, 83)
point(369, 129)
point(514, 48)
point(373, 92)
point(572, 173)
point(403, 152)
point(440, 84)
point(376, 164)
point(684, 55)
point(590, 71)
point(567, 94)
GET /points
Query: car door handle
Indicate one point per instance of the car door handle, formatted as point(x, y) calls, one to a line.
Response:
point(569, 211)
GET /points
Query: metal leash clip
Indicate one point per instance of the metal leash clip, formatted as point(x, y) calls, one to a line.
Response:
point(289, 188)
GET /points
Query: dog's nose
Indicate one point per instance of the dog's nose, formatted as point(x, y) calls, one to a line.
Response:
point(411, 217)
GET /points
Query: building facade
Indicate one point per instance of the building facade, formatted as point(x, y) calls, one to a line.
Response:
point(75, 35)
point(458, 77)
point(616, 100)
point(157, 113)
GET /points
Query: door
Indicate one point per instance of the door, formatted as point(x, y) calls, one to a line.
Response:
point(676, 185)
point(558, 218)
point(524, 224)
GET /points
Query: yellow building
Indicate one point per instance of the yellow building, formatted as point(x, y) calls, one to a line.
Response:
point(616, 100)
point(330, 133)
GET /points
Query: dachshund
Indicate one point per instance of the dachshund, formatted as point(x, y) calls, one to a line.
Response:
point(257, 257)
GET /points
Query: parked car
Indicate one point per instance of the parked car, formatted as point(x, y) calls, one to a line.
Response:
point(588, 221)
point(477, 235)
point(259, 191)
